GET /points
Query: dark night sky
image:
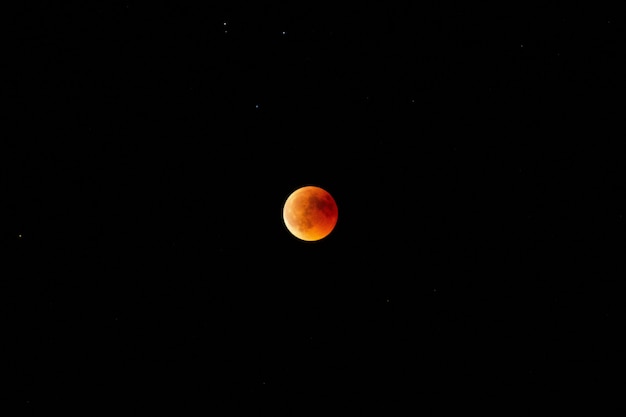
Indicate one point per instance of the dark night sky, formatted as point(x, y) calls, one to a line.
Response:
point(474, 153)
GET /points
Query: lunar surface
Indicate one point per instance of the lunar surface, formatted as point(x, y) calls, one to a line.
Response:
point(310, 213)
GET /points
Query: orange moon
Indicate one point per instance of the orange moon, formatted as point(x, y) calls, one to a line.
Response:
point(310, 213)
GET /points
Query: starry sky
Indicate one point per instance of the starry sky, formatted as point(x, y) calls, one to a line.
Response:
point(473, 150)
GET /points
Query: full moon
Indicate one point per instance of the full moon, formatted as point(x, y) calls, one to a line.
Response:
point(310, 213)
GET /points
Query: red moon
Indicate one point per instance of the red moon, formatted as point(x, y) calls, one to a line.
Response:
point(310, 213)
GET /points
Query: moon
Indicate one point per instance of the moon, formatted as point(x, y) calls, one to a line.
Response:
point(310, 213)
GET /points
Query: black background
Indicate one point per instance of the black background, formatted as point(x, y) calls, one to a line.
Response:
point(474, 153)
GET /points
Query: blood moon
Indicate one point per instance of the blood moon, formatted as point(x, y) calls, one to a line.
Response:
point(310, 213)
